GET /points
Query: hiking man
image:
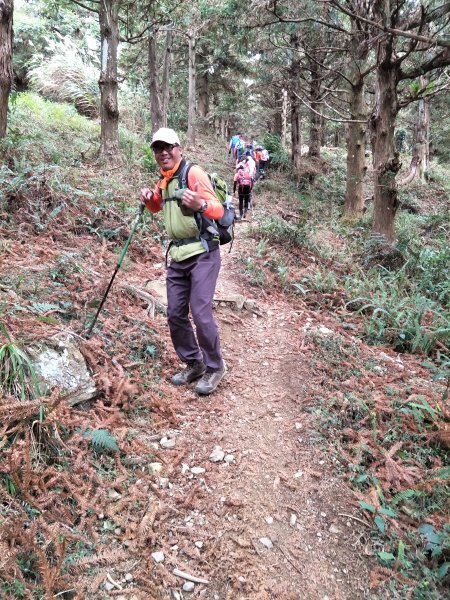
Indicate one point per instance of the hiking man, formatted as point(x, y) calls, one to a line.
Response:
point(195, 261)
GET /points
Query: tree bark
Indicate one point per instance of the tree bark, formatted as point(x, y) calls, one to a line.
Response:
point(192, 90)
point(203, 95)
point(6, 72)
point(156, 110)
point(109, 109)
point(421, 144)
point(284, 110)
point(275, 126)
point(386, 163)
point(165, 89)
point(296, 136)
point(315, 129)
point(356, 147)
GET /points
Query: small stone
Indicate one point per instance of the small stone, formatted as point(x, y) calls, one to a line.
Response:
point(128, 577)
point(117, 531)
point(189, 586)
point(163, 482)
point(322, 514)
point(199, 544)
point(101, 516)
point(113, 495)
point(154, 468)
point(298, 426)
point(242, 579)
point(293, 520)
point(158, 557)
point(319, 534)
point(229, 458)
point(197, 470)
point(109, 587)
point(166, 442)
point(269, 520)
point(333, 529)
point(267, 542)
point(217, 454)
point(299, 474)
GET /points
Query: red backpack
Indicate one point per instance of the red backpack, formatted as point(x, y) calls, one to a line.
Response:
point(244, 175)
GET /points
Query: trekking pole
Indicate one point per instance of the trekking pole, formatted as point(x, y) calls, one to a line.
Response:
point(119, 262)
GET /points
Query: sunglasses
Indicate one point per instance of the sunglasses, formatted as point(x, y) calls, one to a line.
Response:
point(158, 148)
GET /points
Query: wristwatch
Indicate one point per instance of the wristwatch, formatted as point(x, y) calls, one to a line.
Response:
point(203, 206)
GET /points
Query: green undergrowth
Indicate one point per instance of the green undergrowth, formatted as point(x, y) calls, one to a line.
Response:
point(391, 441)
point(50, 143)
point(401, 299)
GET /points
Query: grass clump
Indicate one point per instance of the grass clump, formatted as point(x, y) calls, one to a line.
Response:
point(17, 375)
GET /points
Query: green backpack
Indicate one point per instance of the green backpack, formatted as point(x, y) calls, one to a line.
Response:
point(219, 186)
point(224, 225)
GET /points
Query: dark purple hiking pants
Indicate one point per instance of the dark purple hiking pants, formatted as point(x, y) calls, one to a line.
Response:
point(191, 284)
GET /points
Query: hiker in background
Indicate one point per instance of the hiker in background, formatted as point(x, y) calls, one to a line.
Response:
point(243, 181)
point(263, 161)
point(257, 160)
point(233, 142)
point(240, 148)
point(252, 164)
point(249, 149)
point(195, 262)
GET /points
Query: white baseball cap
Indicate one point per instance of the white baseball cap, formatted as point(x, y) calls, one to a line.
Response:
point(169, 136)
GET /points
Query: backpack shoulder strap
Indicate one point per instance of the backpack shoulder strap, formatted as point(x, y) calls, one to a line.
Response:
point(183, 176)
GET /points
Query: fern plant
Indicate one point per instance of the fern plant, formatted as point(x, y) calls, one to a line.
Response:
point(102, 441)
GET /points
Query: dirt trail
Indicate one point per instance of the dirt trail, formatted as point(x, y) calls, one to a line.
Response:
point(278, 485)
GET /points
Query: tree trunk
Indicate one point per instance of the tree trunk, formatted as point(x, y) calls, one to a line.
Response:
point(296, 136)
point(6, 72)
point(356, 148)
point(192, 91)
point(156, 109)
point(356, 130)
point(165, 90)
point(421, 147)
point(315, 129)
point(386, 163)
point(109, 110)
point(203, 95)
point(284, 118)
point(275, 126)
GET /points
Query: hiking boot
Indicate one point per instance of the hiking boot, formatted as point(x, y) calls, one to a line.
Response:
point(210, 381)
point(192, 371)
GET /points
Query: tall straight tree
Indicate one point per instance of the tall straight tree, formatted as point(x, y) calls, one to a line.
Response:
point(6, 73)
point(159, 76)
point(109, 109)
point(357, 126)
point(108, 17)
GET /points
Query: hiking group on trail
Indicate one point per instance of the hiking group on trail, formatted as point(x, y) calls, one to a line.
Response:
point(250, 163)
point(198, 216)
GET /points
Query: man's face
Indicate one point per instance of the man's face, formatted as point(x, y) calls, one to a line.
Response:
point(167, 155)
